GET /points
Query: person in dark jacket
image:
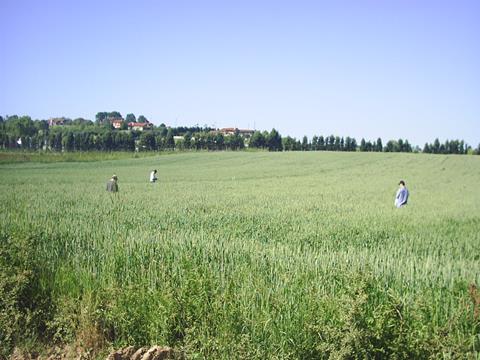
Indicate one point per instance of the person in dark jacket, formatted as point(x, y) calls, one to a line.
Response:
point(112, 185)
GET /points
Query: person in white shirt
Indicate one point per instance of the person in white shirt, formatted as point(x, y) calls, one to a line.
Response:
point(402, 195)
point(153, 176)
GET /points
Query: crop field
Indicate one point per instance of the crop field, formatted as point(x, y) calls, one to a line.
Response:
point(293, 255)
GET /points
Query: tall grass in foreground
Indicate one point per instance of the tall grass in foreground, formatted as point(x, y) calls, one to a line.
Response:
point(248, 255)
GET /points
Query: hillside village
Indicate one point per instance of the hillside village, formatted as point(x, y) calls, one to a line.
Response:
point(119, 123)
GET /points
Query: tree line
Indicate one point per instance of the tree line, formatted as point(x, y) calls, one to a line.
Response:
point(448, 147)
point(21, 132)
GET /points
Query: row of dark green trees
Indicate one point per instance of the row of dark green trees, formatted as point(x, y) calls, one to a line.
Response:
point(85, 135)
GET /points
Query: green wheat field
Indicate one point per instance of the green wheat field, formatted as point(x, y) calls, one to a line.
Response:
point(254, 255)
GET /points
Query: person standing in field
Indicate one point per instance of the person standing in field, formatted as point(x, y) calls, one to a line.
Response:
point(402, 195)
point(112, 185)
point(153, 176)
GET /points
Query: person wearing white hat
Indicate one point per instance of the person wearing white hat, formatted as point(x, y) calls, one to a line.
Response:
point(112, 185)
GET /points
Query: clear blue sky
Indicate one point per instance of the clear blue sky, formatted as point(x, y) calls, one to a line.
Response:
point(364, 68)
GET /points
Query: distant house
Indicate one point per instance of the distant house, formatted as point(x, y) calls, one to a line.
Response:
point(140, 126)
point(116, 123)
point(56, 121)
point(242, 132)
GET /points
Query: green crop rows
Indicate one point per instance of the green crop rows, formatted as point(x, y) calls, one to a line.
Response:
point(253, 255)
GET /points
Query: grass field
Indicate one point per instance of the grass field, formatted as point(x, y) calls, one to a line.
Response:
point(13, 157)
point(246, 255)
